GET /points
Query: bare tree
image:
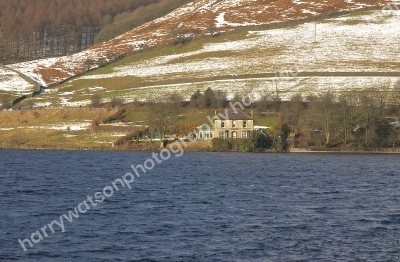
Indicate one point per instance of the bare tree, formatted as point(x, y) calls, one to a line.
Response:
point(369, 111)
point(222, 100)
point(269, 101)
point(394, 135)
point(347, 116)
point(161, 118)
point(292, 110)
point(175, 98)
point(116, 101)
point(96, 100)
point(324, 112)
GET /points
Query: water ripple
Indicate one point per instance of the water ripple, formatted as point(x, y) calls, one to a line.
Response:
point(203, 207)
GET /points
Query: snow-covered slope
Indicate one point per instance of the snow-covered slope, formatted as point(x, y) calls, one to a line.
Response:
point(13, 83)
point(345, 44)
point(197, 18)
point(348, 52)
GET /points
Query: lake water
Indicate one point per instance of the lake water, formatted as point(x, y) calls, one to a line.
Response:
point(200, 207)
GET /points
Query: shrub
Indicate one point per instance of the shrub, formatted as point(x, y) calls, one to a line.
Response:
point(220, 145)
point(36, 114)
point(246, 145)
point(261, 140)
point(117, 116)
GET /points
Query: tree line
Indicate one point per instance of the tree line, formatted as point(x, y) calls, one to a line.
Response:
point(126, 21)
point(359, 119)
point(354, 119)
point(37, 29)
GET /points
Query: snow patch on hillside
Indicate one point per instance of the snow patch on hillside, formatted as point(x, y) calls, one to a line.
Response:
point(73, 126)
point(11, 82)
point(221, 22)
point(343, 44)
point(29, 68)
point(285, 87)
point(199, 16)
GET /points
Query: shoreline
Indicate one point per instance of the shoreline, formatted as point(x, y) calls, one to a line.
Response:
point(201, 148)
point(321, 150)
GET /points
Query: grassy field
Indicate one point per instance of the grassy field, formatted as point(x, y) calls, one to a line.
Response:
point(70, 128)
point(61, 128)
point(50, 116)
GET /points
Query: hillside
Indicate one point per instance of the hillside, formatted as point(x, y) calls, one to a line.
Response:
point(192, 20)
point(353, 51)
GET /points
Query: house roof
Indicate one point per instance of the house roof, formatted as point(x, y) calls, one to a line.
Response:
point(232, 114)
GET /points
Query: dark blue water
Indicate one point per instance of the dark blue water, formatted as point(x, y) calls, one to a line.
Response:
point(202, 207)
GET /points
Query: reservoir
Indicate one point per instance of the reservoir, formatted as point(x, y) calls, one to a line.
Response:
point(199, 207)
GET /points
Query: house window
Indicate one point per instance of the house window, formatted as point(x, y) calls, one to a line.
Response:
point(234, 134)
point(221, 134)
point(222, 124)
point(244, 124)
point(233, 123)
point(211, 135)
point(244, 134)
